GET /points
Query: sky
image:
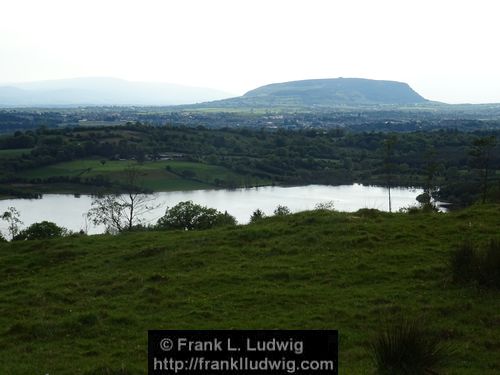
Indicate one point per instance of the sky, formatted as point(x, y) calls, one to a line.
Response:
point(446, 50)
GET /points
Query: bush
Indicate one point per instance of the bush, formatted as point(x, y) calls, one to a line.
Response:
point(325, 206)
point(257, 215)
point(404, 347)
point(422, 208)
point(188, 216)
point(368, 212)
point(469, 264)
point(282, 211)
point(424, 198)
point(42, 230)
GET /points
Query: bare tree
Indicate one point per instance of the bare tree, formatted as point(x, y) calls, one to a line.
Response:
point(121, 212)
point(12, 217)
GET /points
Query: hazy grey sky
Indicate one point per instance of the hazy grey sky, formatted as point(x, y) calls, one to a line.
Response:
point(446, 50)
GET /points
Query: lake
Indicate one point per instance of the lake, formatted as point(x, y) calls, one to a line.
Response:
point(69, 211)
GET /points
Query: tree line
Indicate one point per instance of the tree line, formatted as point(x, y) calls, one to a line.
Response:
point(282, 157)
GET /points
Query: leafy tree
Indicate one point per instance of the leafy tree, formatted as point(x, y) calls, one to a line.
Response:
point(42, 230)
point(12, 217)
point(188, 216)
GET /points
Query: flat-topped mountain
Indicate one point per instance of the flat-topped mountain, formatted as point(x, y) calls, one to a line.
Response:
point(327, 92)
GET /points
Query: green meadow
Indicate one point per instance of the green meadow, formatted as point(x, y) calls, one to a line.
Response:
point(154, 175)
point(83, 305)
point(13, 153)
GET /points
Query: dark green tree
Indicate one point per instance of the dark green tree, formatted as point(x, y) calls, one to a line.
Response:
point(42, 230)
point(189, 216)
point(481, 152)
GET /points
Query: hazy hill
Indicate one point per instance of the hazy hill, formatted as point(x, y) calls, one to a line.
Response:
point(102, 91)
point(327, 92)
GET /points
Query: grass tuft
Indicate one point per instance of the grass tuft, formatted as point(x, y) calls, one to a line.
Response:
point(490, 266)
point(469, 264)
point(405, 347)
point(464, 262)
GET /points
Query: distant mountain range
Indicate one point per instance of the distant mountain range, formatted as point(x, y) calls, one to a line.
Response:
point(325, 93)
point(102, 91)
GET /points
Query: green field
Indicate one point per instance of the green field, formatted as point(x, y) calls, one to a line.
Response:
point(83, 305)
point(11, 153)
point(153, 174)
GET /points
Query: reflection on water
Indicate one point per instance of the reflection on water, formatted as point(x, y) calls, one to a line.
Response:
point(68, 210)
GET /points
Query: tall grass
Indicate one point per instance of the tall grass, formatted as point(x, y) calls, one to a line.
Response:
point(406, 347)
point(464, 262)
point(482, 266)
point(490, 266)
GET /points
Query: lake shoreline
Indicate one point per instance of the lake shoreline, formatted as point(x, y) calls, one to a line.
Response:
point(39, 193)
point(69, 210)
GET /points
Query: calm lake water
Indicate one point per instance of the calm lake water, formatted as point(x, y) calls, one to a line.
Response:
point(69, 211)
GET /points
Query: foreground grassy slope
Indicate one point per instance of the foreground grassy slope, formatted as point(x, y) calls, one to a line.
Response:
point(84, 305)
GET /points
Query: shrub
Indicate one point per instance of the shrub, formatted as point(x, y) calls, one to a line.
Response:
point(42, 230)
point(368, 212)
point(405, 347)
point(257, 215)
point(282, 211)
point(325, 206)
point(188, 216)
point(422, 208)
point(424, 198)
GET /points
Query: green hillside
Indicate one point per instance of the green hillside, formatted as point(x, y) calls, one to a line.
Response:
point(83, 305)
